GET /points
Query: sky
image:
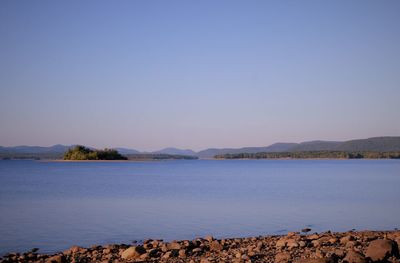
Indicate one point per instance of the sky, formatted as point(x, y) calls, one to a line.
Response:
point(197, 74)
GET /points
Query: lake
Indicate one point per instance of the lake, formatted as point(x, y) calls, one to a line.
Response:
point(54, 205)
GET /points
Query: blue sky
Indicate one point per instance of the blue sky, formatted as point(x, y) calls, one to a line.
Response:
point(152, 74)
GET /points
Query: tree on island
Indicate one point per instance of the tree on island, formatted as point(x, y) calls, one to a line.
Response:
point(80, 152)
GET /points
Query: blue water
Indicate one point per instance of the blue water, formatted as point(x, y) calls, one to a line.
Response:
point(54, 205)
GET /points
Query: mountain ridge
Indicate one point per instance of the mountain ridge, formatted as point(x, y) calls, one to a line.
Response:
point(382, 144)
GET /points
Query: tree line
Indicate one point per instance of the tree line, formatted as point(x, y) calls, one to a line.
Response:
point(312, 155)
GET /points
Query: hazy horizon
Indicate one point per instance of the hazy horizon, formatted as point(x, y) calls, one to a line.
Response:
point(193, 75)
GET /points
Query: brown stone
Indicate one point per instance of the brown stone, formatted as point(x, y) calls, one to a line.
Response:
point(56, 259)
point(209, 238)
point(346, 239)
point(133, 252)
point(215, 246)
point(282, 257)
point(313, 260)
point(354, 257)
point(167, 255)
point(281, 243)
point(174, 245)
point(380, 249)
point(182, 253)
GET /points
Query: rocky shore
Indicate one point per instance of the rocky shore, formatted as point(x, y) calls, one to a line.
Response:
point(351, 247)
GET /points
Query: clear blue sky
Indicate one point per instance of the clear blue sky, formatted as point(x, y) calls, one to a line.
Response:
point(152, 74)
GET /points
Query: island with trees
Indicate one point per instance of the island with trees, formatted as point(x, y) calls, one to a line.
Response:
point(312, 155)
point(80, 152)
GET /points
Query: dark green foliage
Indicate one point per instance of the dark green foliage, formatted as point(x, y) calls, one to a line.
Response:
point(312, 155)
point(80, 152)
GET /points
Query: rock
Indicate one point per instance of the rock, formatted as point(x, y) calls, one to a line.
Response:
point(292, 244)
point(153, 252)
point(167, 255)
point(56, 259)
point(164, 248)
point(354, 257)
point(302, 244)
point(174, 245)
point(306, 230)
point(282, 257)
point(215, 246)
point(313, 237)
point(281, 243)
point(346, 239)
point(340, 253)
point(182, 253)
point(133, 252)
point(197, 250)
point(313, 260)
point(380, 249)
point(144, 256)
point(316, 243)
point(209, 238)
point(333, 240)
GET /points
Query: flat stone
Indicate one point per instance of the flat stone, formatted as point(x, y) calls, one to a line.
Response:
point(133, 252)
point(380, 249)
point(354, 257)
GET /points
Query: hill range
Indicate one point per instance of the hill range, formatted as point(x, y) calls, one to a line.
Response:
point(375, 144)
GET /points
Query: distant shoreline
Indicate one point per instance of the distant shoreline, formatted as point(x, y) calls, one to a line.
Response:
point(208, 159)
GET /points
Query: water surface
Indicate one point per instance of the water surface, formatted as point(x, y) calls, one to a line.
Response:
point(54, 205)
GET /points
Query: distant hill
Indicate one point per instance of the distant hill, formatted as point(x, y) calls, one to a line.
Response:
point(378, 144)
point(381, 144)
point(126, 151)
point(315, 146)
point(58, 148)
point(276, 147)
point(175, 151)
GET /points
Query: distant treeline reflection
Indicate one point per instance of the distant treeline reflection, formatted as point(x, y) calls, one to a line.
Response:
point(312, 155)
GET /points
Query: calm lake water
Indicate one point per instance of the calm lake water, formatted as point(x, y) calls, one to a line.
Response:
point(54, 205)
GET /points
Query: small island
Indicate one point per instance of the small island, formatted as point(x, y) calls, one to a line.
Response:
point(80, 152)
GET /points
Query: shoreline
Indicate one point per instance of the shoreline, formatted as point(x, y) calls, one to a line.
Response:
point(297, 247)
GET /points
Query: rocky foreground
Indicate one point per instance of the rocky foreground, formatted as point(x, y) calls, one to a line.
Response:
point(351, 247)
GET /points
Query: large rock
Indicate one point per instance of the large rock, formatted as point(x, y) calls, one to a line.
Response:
point(215, 246)
point(380, 249)
point(354, 257)
point(133, 252)
point(282, 257)
point(209, 238)
point(56, 259)
point(174, 246)
point(281, 243)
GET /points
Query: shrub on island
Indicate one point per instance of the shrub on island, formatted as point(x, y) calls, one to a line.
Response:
point(80, 152)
